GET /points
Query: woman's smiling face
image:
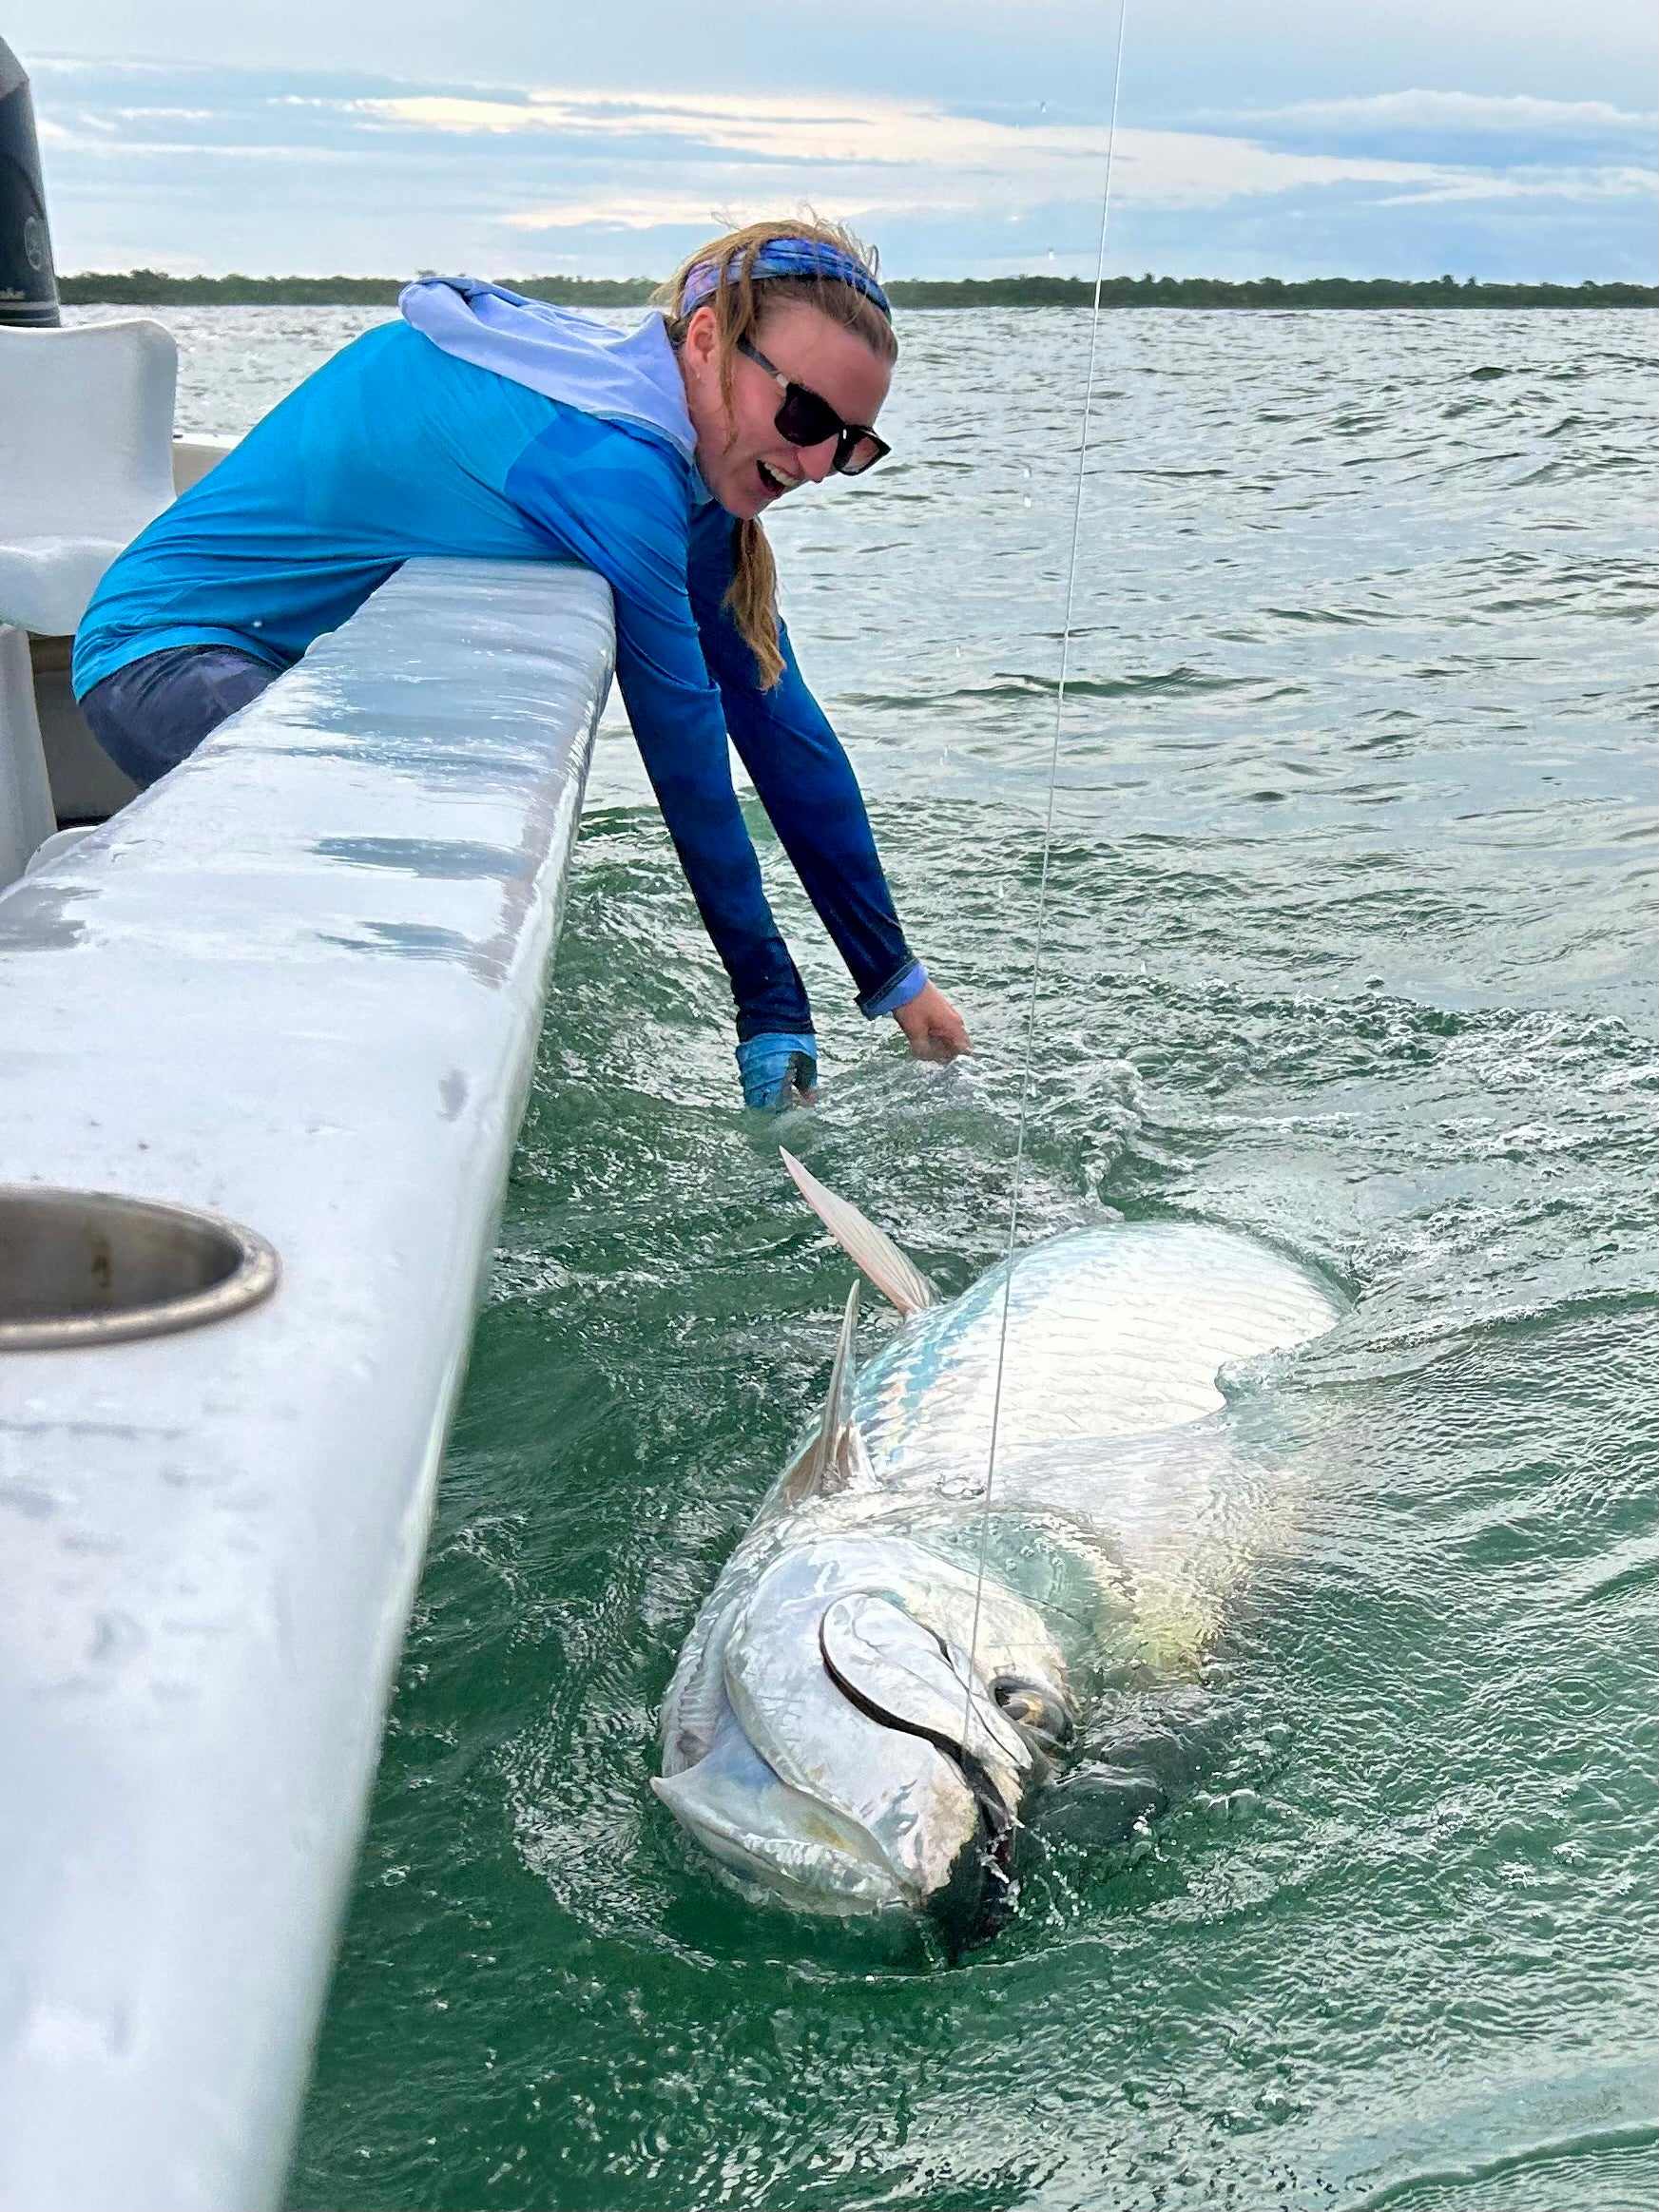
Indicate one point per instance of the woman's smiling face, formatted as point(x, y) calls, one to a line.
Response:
point(746, 460)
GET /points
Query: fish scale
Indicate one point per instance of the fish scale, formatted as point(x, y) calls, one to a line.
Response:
point(1112, 1334)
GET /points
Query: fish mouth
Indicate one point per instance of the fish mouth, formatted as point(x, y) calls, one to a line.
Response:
point(834, 1872)
point(775, 1838)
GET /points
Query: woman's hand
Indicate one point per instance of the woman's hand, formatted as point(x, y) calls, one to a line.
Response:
point(933, 1028)
point(778, 1071)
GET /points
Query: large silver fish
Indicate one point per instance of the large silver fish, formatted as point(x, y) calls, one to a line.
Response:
point(860, 1714)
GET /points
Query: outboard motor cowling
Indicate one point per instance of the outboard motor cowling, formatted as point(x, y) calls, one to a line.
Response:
point(29, 284)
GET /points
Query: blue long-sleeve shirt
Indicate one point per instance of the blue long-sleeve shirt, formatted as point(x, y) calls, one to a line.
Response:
point(397, 448)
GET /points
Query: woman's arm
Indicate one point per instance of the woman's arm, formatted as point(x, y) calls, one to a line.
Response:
point(807, 786)
point(618, 504)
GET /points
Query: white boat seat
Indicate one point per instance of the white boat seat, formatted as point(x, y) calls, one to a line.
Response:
point(86, 460)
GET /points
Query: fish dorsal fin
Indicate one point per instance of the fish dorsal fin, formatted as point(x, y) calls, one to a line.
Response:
point(837, 1399)
point(897, 1278)
point(828, 1462)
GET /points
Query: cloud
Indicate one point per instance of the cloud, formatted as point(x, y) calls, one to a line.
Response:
point(1501, 114)
point(653, 211)
point(1568, 185)
point(858, 158)
point(870, 160)
point(167, 114)
point(200, 167)
point(91, 142)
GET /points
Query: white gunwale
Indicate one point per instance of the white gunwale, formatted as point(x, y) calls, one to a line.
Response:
point(299, 982)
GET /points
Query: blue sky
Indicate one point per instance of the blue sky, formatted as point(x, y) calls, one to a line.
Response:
point(1493, 138)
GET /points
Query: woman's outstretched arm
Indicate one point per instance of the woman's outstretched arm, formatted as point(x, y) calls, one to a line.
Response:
point(806, 784)
point(618, 503)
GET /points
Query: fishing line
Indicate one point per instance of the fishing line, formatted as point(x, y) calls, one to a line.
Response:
point(1042, 914)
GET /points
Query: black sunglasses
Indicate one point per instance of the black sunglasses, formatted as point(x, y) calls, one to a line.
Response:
point(805, 419)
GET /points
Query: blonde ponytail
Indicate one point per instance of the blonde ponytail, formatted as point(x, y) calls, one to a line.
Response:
point(752, 596)
point(739, 302)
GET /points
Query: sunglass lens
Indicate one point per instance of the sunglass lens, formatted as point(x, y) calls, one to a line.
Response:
point(805, 419)
point(858, 453)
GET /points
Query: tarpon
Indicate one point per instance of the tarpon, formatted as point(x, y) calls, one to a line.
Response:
point(889, 1669)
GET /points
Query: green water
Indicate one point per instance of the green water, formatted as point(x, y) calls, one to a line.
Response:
point(1347, 947)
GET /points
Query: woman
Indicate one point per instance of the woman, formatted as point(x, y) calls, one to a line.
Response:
point(487, 425)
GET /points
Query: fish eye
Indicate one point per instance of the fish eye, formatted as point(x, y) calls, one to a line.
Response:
point(1036, 1710)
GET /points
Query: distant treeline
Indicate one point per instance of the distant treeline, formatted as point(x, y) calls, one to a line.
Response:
point(153, 288)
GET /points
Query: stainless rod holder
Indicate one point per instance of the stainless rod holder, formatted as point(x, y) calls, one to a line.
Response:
point(87, 1267)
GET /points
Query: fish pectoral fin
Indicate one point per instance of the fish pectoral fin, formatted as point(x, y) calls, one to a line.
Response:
point(897, 1278)
point(828, 1462)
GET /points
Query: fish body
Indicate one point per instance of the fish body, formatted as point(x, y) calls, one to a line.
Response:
point(891, 1661)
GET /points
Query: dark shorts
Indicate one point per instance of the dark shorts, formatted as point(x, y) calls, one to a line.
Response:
point(154, 713)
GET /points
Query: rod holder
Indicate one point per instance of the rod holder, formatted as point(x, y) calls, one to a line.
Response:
point(86, 1267)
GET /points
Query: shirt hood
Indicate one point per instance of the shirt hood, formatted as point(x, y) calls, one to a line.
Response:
point(629, 377)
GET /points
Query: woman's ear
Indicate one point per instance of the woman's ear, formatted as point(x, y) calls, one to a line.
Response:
point(699, 347)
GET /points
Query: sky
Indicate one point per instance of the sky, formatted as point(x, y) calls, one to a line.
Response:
point(1499, 139)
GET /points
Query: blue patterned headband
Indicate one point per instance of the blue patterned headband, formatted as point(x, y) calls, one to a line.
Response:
point(788, 257)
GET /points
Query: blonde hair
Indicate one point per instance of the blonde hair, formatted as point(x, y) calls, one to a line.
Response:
point(740, 300)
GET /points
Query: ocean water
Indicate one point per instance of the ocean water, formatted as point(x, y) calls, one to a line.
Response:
point(1350, 945)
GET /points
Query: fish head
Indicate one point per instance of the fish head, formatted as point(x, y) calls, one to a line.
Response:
point(833, 1741)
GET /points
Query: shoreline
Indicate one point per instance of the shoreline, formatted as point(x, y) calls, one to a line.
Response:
point(155, 288)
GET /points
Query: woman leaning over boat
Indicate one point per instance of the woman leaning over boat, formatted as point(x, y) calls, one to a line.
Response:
point(487, 425)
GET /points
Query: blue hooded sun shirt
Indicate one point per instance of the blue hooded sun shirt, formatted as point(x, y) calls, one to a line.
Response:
point(490, 426)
